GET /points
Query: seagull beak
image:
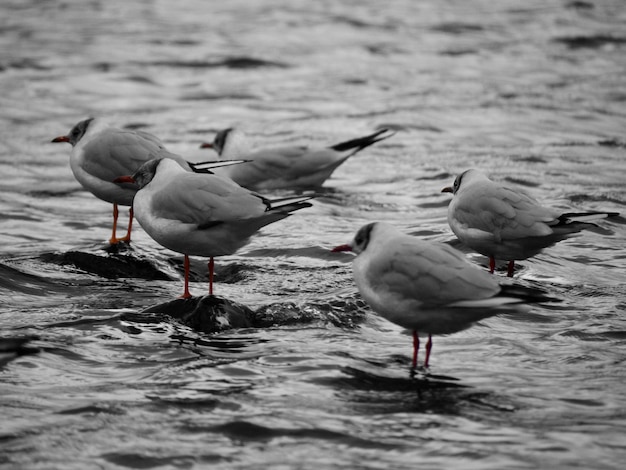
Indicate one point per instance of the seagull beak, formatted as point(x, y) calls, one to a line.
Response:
point(447, 189)
point(124, 179)
point(341, 248)
point(62, 138)
point(206, 145)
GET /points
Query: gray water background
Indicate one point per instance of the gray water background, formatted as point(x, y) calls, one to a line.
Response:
point(531, 92)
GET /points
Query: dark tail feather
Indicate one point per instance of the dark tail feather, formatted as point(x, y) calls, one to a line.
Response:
point(206, 167)
point(571, 217)
point(362, 142)
point(527, 294)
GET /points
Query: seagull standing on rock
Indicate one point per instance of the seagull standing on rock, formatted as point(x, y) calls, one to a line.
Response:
point(101, 152)
point(201, 214)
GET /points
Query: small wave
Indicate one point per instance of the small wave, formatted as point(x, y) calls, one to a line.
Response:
point(206, 96)
point(15, 280)
point(229, 62)
point(317, 252)
point(522, 182)
point(13, 347)
point(136, 460)
point(612, 143)
point(457, 28)
point(458, 52)
point(23, 64)
point(248, 431)
point(596, 41)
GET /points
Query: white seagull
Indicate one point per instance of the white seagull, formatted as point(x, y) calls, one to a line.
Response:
point(286, 167)
point(427, 287)
point(100, 153)
point(201, 214)
point(506, 223)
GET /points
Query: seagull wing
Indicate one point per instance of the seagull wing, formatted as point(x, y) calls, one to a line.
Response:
point(430, 273)
point(494, 211)
point(115, 152)
point(204, 199)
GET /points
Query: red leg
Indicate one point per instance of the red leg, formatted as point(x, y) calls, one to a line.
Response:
point(416, 347)
point(429, 346)
point(492, 264)
point(511, 268)
point(186, 294)
point(113, 240)
point(211, 264)
point(126, 238)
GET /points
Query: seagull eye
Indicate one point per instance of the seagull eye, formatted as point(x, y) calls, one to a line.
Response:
point(456, 184)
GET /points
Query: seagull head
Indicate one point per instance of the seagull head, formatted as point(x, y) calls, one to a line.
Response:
point(143, 175)
point(360, 241)
point(465, 177)
point(77, 133)
point(222, 138)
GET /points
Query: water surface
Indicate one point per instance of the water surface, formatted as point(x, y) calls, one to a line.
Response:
point(531, 92)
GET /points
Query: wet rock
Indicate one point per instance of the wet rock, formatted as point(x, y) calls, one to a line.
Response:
point(209, 314)
point(112, 266)
point(212, 314)
point(338, 312)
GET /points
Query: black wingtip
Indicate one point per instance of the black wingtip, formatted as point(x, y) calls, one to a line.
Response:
point(528, 294)
point(365, 141)
point(206, 167)
point(583, 217)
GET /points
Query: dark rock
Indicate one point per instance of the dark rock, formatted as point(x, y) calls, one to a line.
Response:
point(209, 314)
point(338, 312)
point(115, 265)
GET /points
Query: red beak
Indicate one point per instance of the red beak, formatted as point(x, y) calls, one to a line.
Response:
point(62, 138)
point(341, 248)
point(124, 179)
point(206, 145)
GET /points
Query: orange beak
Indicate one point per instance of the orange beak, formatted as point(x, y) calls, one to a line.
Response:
point(62, 138)
point(341, 248)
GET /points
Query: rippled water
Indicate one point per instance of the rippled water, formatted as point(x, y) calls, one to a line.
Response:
point(531, 92)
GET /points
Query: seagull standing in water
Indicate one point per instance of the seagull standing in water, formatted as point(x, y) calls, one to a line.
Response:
point(286, 167)
point(505, 223)
point(427, 287)
point(201, 215)
point(100, 153)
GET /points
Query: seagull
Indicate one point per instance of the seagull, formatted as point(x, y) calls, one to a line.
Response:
point(506, 223)
point(100, 153)
point(201, 214)
point(287, 167)
point(427, 287)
